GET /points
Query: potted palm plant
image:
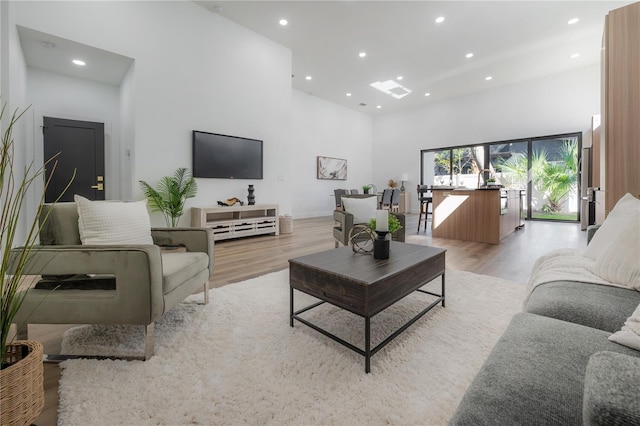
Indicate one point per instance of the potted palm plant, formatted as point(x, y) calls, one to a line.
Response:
point(170, 195)
point(21, 372)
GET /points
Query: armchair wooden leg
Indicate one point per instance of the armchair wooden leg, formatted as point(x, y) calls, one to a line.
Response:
point(206, 293)
point(149, 341)
point(22, 331)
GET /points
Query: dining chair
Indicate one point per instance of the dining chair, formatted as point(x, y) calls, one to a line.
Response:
point(395, 200)
point(354, 191)
point(424, 199)
point(385, 203)
point(338, 195)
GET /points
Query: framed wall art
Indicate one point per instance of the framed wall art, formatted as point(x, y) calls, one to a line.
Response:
point(332, 168)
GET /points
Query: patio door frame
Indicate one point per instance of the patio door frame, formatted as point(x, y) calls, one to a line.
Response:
point(530, 141)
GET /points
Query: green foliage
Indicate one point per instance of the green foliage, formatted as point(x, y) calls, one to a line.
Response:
point(555, 179)
point(14, 188)
point(456, 160)
point(170, 195)
point(366, 188)
point(394, 223)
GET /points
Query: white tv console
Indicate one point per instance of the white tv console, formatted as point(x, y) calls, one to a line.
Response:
point(237, 221)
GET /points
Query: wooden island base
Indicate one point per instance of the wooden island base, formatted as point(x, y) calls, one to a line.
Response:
point(480, 215)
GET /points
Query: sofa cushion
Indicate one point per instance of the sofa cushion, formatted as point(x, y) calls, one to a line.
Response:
point(535, 374)
point(629, 335)
point(362, 209)
point(179, 267)
point(619, 262)
point(593, 305)
point(623, 214)
point(112, 222)
point(59, 224)
point(611, 390)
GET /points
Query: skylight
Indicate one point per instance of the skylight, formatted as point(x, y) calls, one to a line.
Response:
point(391, 88)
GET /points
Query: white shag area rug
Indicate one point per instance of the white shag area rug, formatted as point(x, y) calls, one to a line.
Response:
point(237, 361)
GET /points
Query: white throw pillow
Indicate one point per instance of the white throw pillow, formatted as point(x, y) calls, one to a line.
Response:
point(620, 261)
point(629, 334)
point(113, 222)
point(626, 210)
point(362, 209)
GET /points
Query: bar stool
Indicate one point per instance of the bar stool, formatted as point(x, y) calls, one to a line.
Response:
point(424, 201)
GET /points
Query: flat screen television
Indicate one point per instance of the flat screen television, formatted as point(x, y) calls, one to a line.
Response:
point(226, 157)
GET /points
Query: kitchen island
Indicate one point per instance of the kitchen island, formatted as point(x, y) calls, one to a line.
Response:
point(484, 215)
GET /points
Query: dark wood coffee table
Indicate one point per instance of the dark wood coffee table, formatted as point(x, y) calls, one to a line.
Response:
point(366, 286)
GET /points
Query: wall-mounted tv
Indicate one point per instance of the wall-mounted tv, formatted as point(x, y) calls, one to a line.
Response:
point(226, 157)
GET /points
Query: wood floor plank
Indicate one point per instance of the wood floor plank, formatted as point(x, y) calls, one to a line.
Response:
point(239, 260)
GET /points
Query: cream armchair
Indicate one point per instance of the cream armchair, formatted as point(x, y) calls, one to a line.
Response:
point(118, 284)
point(345, 220)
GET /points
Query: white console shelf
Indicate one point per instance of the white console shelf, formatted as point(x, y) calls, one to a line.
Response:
point(237, 221)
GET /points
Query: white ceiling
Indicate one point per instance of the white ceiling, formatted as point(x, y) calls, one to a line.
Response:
point(50, 53)
point(512, 41)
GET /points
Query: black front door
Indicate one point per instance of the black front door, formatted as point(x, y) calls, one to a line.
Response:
point(80, 145)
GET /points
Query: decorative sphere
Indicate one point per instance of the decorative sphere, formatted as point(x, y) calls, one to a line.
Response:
point(361, 239)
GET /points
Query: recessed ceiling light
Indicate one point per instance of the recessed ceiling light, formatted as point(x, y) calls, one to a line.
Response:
point(399, 77)
point(469, 55)
point(572, 21)
point(348, 94)
point(575, 55)
point(283, 22)
point(488, 78)
point(79, 62)
point(47, 44)
point(362, 54)
point(427, 94)
point(439, 19)
point(379, 106)
point(308, 77)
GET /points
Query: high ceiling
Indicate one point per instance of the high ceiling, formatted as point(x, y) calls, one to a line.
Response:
point(511, 41)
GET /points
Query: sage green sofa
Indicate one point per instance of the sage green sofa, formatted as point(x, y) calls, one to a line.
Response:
point(112, 284)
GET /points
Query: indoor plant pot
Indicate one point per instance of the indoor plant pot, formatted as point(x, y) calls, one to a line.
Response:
point(21, 383)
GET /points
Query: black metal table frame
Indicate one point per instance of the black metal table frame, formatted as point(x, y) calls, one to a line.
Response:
point(368, 352)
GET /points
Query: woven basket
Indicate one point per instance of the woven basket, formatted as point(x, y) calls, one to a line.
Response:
point(21, 384)
point(286, 224)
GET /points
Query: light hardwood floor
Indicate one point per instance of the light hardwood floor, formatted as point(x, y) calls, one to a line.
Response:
point(238, 260)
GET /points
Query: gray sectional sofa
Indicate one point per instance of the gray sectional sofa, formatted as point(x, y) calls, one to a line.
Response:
point(555, 365)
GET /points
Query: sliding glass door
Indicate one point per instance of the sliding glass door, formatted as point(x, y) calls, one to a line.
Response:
point(546, 169)
point(554, 178)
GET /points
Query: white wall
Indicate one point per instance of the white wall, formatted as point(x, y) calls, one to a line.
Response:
point(127, 133)
point(322, 128)
point(13, 92)
point(193, 70)
point(560, 103)
point(61, 96)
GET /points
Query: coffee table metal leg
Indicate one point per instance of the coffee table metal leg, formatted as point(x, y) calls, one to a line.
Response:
point(291, 306)
point(367, 344)
point(443, 289)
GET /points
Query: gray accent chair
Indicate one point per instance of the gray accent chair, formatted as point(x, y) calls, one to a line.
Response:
point(108, 284)
point(344, 222)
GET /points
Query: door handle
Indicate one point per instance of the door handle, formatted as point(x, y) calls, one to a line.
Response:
point(99, 187)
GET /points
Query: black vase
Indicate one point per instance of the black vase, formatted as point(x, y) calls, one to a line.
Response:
point(381, 246)
point(251, 199)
